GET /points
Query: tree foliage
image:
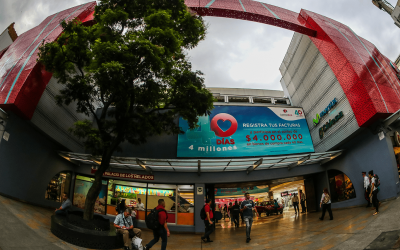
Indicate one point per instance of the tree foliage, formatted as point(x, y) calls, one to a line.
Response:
point(129, 73)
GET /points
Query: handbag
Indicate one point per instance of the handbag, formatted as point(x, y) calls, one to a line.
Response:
point(137, 243)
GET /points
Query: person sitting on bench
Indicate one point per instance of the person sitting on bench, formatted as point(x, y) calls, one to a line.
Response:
point(65, 206)
point(123, 223)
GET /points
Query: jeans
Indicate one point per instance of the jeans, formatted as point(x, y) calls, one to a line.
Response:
point(235, 219)
point(61, 212)
point(375, 200)
point(303, 206)
point(209, 230)
point(324, 208)
point(296, 205)
point(249, 223)
point(157, 234)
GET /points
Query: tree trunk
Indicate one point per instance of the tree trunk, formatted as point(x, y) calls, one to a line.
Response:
point(94, 191)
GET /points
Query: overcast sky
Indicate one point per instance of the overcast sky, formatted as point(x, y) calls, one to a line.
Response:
point(237, 53)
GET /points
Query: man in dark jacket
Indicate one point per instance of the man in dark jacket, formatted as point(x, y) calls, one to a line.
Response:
point(162, 231)
point(235, 210)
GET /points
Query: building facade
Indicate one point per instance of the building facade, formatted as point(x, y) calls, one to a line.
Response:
point(339, 95)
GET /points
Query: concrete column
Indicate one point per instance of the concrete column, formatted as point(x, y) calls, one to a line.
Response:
point(198, 205)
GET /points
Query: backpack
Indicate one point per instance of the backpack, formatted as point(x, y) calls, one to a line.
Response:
point(203, 214)
point(152, 219)
point(326, 198)
point(377, 181)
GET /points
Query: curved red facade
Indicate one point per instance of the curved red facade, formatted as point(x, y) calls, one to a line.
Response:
point(22, 79)
point(368, 80)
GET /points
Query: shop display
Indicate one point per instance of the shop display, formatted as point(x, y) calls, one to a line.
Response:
point(59, 184)
point(341, 186)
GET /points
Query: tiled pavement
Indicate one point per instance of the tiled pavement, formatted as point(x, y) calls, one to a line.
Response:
point(24, 226)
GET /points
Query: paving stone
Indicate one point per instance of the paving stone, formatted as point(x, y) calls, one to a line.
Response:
point(354, 228)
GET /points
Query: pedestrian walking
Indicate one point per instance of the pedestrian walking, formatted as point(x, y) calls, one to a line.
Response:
point(302, 201)
point(367, 188)
point(241, 212)
point(235, 210)
point(229, 210)
point(326, 204)
point(208, 221)
point(162, 231)
point(247, 208)
point(295, 201)
point(225, 211)
point(374, 191)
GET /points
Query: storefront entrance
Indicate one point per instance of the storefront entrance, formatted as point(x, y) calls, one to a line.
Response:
point(273, 199)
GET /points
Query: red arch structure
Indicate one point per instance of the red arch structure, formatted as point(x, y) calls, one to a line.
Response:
point(364, 73)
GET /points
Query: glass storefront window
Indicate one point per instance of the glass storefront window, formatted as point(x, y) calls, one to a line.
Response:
point(58, 185)
point(82, 186)
point(168, 194)
point(179, 199)
point(341, 186)
point(185, 205)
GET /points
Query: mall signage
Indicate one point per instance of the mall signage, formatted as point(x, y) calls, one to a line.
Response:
point(329, 124)
point(127, 175)
point(242, 131)
point(324, 112)
point(284, 194)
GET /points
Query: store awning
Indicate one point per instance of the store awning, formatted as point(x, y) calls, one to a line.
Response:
point(205, 165)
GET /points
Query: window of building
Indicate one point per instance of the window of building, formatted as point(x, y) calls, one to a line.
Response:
point(262, 100)
point(179, 199)
point(58, 185)
point(185, 205)
point(168, 194)
point(238, 99)
point(341, 186)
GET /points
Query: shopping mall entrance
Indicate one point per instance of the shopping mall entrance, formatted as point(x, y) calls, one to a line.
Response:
point(264, 194)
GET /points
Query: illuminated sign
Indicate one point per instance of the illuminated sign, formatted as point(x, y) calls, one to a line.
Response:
point(240, 131)
point(135, 190)
point(324, 112)
point(329, 124)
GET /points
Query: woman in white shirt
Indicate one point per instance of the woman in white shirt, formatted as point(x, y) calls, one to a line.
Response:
point(326, 204)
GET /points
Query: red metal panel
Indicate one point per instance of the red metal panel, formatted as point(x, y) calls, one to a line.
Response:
point(22, 79)
point(254, 12)
point(372, 90)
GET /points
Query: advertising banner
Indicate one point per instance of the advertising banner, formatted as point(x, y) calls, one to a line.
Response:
point(240, 191)
point(80, 191)
point(246, 131)
point(135, 190)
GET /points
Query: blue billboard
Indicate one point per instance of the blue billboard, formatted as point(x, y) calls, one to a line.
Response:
point(245, 131)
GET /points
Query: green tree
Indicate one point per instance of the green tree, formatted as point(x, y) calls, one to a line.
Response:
point(130, 75)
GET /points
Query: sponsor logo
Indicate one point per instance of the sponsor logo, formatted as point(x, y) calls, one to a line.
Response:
point(324, 112)
point(210, 129)
point(284, 111)
point(298, 112)
point(329, 124)
point(224, 117)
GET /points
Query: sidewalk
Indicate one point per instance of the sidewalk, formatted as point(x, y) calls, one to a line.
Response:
point(24, 226)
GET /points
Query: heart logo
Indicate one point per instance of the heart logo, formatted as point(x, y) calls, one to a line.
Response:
point(224, 117)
